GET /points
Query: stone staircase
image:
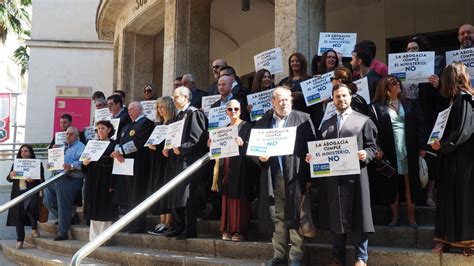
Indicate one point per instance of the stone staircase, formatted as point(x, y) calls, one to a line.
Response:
point(388, 246)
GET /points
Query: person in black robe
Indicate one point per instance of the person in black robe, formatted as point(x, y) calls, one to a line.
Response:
point(165, 113)
point(26, 212)
point(115, 105)
point(100, 185)
point(455, 202)
point(402, 140)
point(344, 201)
point(235, 179)
point(131, 190)
point(188, 197)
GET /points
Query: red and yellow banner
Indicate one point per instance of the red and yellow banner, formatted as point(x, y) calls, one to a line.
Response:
point(4, 117)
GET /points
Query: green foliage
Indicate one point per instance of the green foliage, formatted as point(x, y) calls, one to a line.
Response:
point(22, 56)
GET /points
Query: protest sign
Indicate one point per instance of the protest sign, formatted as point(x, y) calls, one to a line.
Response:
point(272, 141)
point(27, 168)
point(56, 159)
point(330, 111)
point(261, 102)
point(123, 168)
point(149, 109)
point(115, 123)
point(440, 125)
point(89, 133)
point(223, 142)
point(94, 150)
point(339, 42)
point(270, 60)
point(102, 114)
point(218, 117)
point(157, 136)
point(334, 157)
point(174, 134)
point(465, 56)
point(413, 67)
point(207, 101)
point(363, 88)
point(60, 138)
point(316, 90)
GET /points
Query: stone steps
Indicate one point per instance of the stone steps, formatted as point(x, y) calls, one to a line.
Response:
point(31, 255)
point(4, 261)
point(145, 249)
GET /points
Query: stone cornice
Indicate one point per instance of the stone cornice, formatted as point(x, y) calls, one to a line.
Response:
point(70, 44)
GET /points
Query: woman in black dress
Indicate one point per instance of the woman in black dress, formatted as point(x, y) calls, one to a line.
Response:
point(455, 202)
point(27, 212)
point(100, 185)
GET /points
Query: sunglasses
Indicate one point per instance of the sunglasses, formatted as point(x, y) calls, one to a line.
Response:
point(236, 109)
point(149, 91)
point(393, 82)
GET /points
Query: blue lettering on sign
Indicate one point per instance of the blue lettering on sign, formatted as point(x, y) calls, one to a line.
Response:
point(336, 45)
point(322, 49)
point(216, 151)
point(213, 125)
point(271, 143)
point(314, 98)
point(334, 158)
point(401, 76)
point(259, 149)
point(410, 68)
point(257, 112)
point(320, 169)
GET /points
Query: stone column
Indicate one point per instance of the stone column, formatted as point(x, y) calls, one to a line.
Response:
point(186, 42)
point(297, 27)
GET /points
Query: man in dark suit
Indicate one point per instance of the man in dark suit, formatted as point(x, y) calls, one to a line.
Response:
point(344, 201)
point(115, 105)
point(189, 82)
point(285, 178)
point(240, 92)
point(132, 190)
point(188, 197)
point(225, 90)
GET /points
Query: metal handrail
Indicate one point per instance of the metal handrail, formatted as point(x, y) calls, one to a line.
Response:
point(137, 211)
point(31, 192)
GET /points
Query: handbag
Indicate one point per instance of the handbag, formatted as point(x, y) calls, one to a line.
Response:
point(385, 168)
point(42, 211)
point(307, 228)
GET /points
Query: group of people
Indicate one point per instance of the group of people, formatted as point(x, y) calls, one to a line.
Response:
point(392, 130)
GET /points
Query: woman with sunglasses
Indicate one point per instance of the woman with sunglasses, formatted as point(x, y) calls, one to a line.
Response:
point(455, 201)
point(100, 185)
point(235, 181)
point(27, 212)
point(401, 140)
point(165, 113)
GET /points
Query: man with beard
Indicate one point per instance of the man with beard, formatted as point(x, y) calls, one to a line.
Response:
point(216, 68)
point(466, 36)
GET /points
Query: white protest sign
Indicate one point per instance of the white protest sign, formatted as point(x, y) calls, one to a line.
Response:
point(207, 101)
point(363, 88)
point(413, 67)
point(149, 109)
point(270, 60)
point(124, 168)
point(223, 142)
point(316, 90)
point(60, 138)
point(102, 114)
point(56, 159)
point(440, 125)
point(339, 42)
point(330, 111)
point(465, 56)
point(27, 168)
point(157, 136)
point(115, 123)
point(89, 133)
point(218, 117)
point(272, 141)
point(334, 157)
point(94, 150)
point(261, 102)
point(174, 134)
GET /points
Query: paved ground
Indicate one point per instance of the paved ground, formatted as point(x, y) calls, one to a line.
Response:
point(6, 232)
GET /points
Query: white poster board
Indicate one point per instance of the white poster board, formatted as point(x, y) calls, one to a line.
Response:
point(440, 125)
point(223, 142)
point(56, 159)
point(413, 67)
point(102, 114)
point(174, 134)
point(363, 88)
point(124, 168)
point(334, 157)
point(218, 117)
point(330, 111)
point(149, 109)
point(317, 89)
point(272, 141)
point(60, 138)
point(207, 101)
point(340, 42)
point(465, 56)
point(261, 102)
point(157, 136)
point(27, 168)
point(94, 150)
point(271, 60)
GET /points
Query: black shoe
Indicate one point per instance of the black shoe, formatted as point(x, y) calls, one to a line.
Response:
point(159, 230)
point(75, 219)
point(185, 235)
point(60, 238)
point(277, 262)
point(173, 233)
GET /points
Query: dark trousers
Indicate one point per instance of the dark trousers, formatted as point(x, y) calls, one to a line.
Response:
point(139, 224)
point(360, 246)
point(184, 219)
point(20, 227)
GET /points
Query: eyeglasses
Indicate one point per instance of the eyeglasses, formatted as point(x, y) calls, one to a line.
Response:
point(147, 91)
point(235, 109)
point(393, 82)
point(216, 66)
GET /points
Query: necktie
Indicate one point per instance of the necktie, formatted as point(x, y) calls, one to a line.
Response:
point(339, 124)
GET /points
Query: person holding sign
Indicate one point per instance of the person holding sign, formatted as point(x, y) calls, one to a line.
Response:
point(115, 105)
point(297, 69)
point(165, 113)
point(100, 185)
point(187, 198)
point(344, 201)
point(285, 179)
point(262, 81)
point(235, 180)
point(455, 201)
point(401, 140)
point(60, 198)
point(328, 62)
point(27, 212)
point(64, 122)
point(131, 190)
point(361, 60)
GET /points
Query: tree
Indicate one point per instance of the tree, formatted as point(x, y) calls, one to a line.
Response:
point(14, 17)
